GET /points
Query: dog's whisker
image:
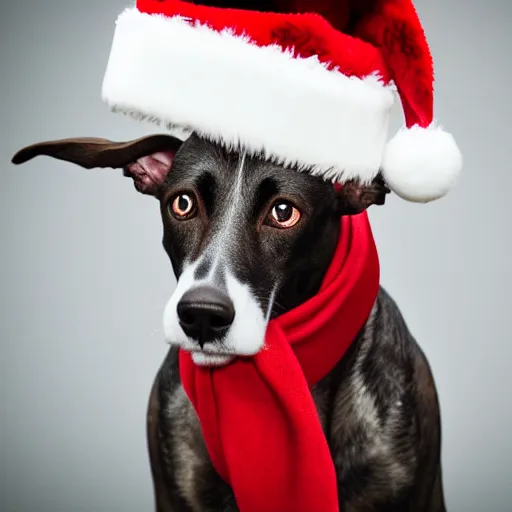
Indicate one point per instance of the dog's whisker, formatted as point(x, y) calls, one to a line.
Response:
point(271, 302)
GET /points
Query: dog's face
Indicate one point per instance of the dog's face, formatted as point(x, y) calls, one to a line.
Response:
point(243, 235)
point(247, 238)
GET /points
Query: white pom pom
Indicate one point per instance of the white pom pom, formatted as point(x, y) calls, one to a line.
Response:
point(421, 164)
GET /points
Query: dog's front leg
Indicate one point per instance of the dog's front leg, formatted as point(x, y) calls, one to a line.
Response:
point(429, 492)
point(162, 503)
point(437, 500)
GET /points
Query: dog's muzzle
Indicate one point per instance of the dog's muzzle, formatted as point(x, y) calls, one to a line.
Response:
point(215, 322)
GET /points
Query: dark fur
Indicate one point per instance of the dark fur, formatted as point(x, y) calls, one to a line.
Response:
point(378, 407)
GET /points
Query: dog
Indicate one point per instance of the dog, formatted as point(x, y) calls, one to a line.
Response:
point(258, 237)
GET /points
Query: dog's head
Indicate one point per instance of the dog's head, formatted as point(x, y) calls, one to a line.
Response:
point(247, 238)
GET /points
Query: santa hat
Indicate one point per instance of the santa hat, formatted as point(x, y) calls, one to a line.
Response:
point(305, 89)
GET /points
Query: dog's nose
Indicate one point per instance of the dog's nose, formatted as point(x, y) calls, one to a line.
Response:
point(205, 314)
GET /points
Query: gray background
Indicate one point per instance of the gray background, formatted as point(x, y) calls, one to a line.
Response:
point(84, 279)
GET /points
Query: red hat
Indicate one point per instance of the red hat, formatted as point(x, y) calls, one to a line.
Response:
point(290, 86)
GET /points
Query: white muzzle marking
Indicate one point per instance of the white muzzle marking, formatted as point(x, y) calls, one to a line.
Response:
point(246, 335)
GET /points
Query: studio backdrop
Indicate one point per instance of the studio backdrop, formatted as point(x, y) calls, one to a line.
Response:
point(84, 279)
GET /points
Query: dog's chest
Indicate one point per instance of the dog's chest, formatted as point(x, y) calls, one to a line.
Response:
point(187, 460)
point(371, 434)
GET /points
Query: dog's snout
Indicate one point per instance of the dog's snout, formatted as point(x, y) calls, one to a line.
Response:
point(205, 314)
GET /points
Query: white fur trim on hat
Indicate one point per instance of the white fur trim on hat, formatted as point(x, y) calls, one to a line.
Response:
point(421, 164)
point(293, 111)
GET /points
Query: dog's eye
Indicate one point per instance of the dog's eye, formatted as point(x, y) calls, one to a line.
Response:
point(183, 206)
point(284, 215)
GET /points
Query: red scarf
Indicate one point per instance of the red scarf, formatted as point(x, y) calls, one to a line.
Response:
point(257, 414)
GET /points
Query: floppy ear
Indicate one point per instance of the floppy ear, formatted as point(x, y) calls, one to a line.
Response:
point(354, 197)
point(147, 160)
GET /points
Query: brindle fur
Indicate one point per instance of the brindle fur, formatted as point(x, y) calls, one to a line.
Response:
point(378, 407)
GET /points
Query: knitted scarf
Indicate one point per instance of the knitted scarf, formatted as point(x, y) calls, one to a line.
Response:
point(257, 414)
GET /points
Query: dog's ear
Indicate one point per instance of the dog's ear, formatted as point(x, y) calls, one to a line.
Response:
point(147, 160)
point(355, 197)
